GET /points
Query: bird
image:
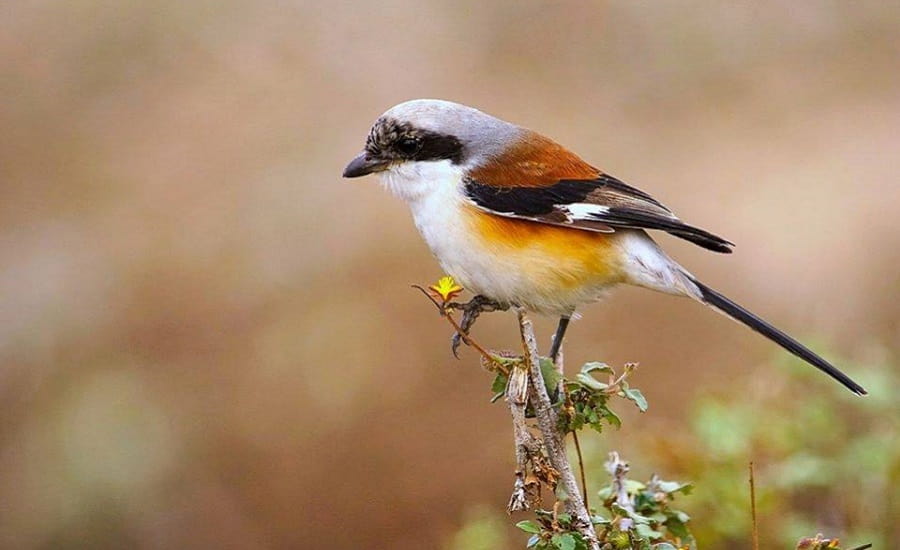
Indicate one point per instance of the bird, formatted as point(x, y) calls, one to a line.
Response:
point(522, 221)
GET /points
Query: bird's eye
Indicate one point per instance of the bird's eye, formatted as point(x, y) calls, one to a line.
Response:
point(407, 146)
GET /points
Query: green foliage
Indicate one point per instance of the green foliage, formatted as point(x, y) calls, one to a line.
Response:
point(645, 520)
point(639, 518)
point(820, 454)
point(551, 376)
point(498, 386)
point(587, 398)
point(551, 532)
point(653, 520)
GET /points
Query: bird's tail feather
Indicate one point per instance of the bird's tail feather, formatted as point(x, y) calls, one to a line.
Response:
point(724, 305)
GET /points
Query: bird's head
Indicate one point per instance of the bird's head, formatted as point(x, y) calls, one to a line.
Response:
point(416, 144)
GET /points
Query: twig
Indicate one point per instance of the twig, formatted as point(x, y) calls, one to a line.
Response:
point(552, 438)
point(613, 387)
point(755, 531)
point(465, 337)
point(584, 491)
point(468, 340)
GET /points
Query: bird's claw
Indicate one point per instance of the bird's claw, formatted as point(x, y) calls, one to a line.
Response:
point(471, 310)
point(454, 344)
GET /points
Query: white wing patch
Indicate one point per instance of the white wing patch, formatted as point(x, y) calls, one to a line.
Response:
point(584, 211)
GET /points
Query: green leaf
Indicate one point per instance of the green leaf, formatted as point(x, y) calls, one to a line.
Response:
point(663, 546)
point(635, 395)
point(647, 532)
point(564, 541)
point(596, 366)
point(676, 522)
point(633, 486)
point(576, 423)
point(638, 518)
point(590, 382)
point(612, 418)
point(552, 377)
point(679, 529)
point(529, 526)
point(672, 487)
point(499, 384)
point(668, 486)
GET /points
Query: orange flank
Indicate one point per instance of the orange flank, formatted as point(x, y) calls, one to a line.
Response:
point(551, 256)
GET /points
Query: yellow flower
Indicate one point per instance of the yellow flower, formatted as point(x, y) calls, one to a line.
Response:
point(446, 288)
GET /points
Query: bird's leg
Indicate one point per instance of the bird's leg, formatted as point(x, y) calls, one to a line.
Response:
point(471, 310)
point(558, 337)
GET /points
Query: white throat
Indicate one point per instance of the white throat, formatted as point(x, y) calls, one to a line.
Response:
point(415, 181)
point(433, 190)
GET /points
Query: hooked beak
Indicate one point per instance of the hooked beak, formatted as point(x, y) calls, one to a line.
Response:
point(363, 165)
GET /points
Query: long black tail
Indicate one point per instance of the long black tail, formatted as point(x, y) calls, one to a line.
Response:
point(712, 298)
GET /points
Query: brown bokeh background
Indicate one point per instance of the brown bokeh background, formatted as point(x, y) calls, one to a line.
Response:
point(208, 339)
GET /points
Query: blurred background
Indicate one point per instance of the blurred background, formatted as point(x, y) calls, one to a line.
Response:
point(208, 339)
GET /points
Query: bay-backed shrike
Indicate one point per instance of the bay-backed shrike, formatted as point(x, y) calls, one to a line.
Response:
point(520, 220)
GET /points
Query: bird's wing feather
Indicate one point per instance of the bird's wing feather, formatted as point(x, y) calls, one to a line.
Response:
point(538, 180)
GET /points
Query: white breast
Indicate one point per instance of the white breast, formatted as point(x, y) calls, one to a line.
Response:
point(435, 196)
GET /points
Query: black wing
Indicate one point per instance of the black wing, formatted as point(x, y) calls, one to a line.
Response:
point(600, 204)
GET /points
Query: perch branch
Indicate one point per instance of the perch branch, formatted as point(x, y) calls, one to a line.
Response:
point(526, 490)
point(554, 443)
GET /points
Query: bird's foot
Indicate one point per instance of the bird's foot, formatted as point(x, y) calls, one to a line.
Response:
point(471, 310)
